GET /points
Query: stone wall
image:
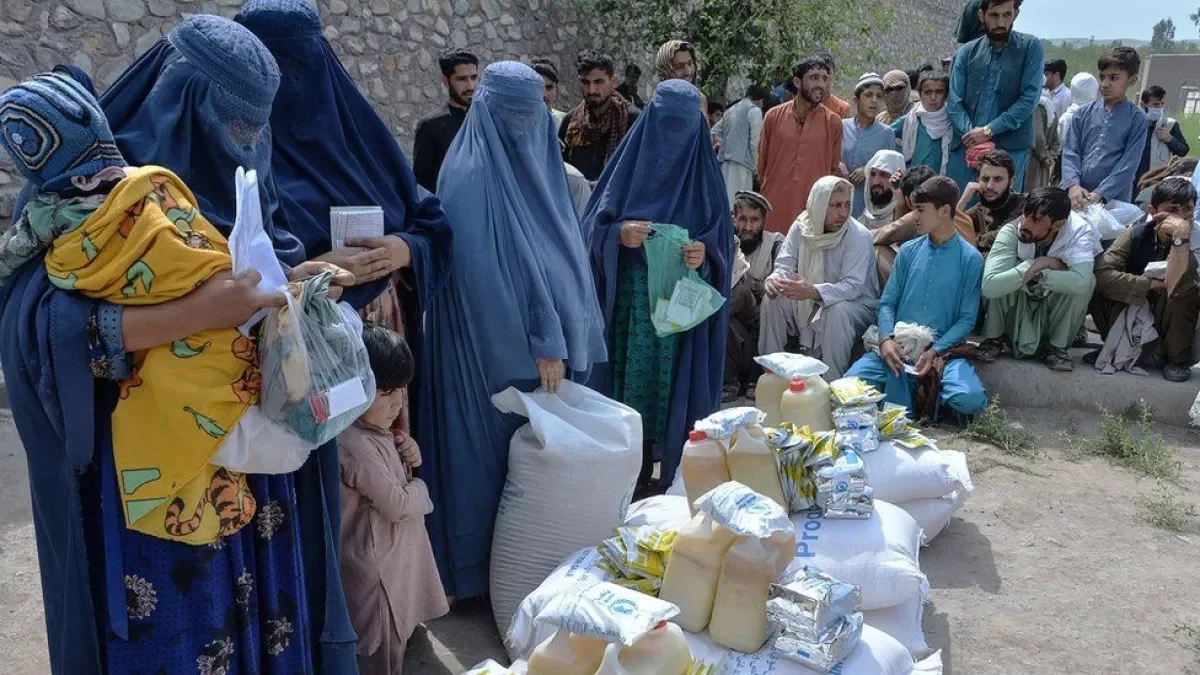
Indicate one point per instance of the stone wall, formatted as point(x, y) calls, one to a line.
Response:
point(389, 47)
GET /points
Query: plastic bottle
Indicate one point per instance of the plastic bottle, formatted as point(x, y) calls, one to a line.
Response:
point(752, 463)
point(767, 396)
point(703, 466)
point(806, 404)
point(739, 618)
point(566, 653)
point(663, 651)
point(690, 581)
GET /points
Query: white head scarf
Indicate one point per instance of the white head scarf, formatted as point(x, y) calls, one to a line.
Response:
point(1084, 89)
point(814, 240)
point(888, 161)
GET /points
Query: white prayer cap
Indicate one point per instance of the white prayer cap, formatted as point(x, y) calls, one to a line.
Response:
point(886, 160)
point(867, 80)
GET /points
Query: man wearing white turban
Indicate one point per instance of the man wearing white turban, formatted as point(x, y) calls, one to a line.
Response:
point(880, 206)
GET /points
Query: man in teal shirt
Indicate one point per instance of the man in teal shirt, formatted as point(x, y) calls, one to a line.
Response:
point(995, 85)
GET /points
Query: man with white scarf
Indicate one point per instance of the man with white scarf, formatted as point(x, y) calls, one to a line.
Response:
point(925, 133)
point(824, 289)
point(879, 208)
point(1038, 281)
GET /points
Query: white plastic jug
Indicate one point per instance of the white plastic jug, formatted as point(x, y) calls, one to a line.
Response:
point(703, 466)
point(806, 404)
point(739, 618)
point(752, 463)
point(767, 396)
point(690, 581)
point(664, 651)
point(566, 653)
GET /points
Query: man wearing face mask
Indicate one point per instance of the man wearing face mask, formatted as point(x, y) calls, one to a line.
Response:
point(998, 204)
point(1164, 139)
point(896, 89)
point(1037, 282)
point(753, 262)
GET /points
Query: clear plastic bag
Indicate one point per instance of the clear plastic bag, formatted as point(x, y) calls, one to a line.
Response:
point(317, 377)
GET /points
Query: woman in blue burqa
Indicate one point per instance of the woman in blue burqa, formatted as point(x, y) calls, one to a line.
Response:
point(118, 601)
point(518, 310)
point(665, 171)
point(330, 148)
point(199, 103)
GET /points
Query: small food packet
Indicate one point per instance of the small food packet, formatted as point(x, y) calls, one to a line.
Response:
point(852, 391)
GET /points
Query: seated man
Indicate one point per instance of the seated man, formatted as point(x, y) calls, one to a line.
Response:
point(889, 237)
point(998, 204)
point(1037, 281)
point(935, 284)
point(757, 248)
point(882, 199)
point(823, 290)
point(1168, 234)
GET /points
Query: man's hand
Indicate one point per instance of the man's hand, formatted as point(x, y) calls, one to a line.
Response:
point(892, 355)
point(970, 191)
point(228, 303)
point(634, 233)
point(693, 255)
point(1163, 134)
point(410, 452)
point(1048, 164)
point(1173, 226)
point(1157, 285)
point(551, 372)
point(1095, 198)
point(800, 289)
point(1034, 273)
point(307, 270)
point(857, 176)
point(925, 362)
point(1079, 197)
point(976, 136)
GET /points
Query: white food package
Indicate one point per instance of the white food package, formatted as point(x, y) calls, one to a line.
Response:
point(902, 622)
point(579, 569)
point(898, 475)
point(792, 366)
point(607, 612)
point(933, 515)
point(879, 554)
point(250, 246)
point(876, 654)
point(571, 474)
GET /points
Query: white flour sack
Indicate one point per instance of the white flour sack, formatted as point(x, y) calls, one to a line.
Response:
point(571, 473)
point(525, 634)
point(900, 475)
point(879, 553)
point(902, 622)
point(933, 515)
point(877, 653)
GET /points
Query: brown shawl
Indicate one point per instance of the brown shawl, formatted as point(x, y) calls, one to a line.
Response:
point(930, 386)
point(584, 129)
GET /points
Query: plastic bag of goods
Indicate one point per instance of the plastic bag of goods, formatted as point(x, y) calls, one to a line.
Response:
point(571, 473)
point(490, 667)
point(316, 377)
point(902, 622)
point(778, 372)
point(1103, 220)
point(762, 549)
point(877, 653)
point(899, 475)
point(593, 620)
point(582, 568)
point(879, 554)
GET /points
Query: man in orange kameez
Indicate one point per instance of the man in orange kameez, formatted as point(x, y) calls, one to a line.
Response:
point(801, 142)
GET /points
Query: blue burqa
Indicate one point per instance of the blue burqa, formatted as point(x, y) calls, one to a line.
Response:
point(665, 171)
point(199, 103)
point(519, 290)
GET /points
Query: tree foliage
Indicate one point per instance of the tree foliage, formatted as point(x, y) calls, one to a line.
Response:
point(1163, 39)
point(759, 38)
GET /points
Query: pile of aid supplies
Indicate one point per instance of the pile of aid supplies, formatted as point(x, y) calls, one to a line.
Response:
point(788, 545)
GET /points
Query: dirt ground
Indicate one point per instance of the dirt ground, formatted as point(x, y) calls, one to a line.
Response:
point(1047, 569)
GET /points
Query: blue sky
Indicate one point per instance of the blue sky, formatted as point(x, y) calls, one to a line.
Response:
point(1105, 19)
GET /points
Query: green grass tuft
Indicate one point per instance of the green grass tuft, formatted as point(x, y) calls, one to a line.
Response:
point(1164, 510)
point(994, 426)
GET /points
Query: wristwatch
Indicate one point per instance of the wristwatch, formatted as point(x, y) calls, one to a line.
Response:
point(1179, 241)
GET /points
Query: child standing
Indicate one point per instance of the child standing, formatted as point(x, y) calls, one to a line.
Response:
point(925, 133)
point(1105, 138)
point(388, 571)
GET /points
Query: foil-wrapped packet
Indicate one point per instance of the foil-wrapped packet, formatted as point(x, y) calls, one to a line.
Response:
point(827, 649)
point(859, 440)
point(852, 507)
point(856, 417)
point(792, 451)
point(842, 489)
point(813, 601)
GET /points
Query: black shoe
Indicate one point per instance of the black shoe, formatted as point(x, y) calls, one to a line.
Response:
point(1091, 357)
point(989, 350)
point(1153, 359)
point(730, 394)
point(1173, 372)
point(1081, 338)
point(1059, 361)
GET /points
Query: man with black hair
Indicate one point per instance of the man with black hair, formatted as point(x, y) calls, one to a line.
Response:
point(757, 248)
point(889, 238)
point(549, 73)
point(1037, 282)
point(629, 85)
point(1131, 274)
point(1056, 88)
point(737, 135)
point(593, 130)
point(935, 285)
point(801, 142)
point(838, 105)
point(998, 204)
point(995, 85)
point(1164, 139)
point(460, 75)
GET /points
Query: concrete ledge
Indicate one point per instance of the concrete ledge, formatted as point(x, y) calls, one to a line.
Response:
point(1030, 384)
point(3, 393)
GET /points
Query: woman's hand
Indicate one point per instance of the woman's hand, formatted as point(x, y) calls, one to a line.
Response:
point(693, 255)
point(551, 371)
point(227, 302)
point(399, 255)
point(307, 270)
point(634, 233)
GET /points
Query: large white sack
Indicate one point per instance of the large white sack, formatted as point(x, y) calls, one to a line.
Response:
point(933, 515)
point(930, 665)
point(525, 634)
point(898, 475)
point(902, 622)
point(664, 512)
point(571, 474)
point(880, 554)
point(877, 653)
